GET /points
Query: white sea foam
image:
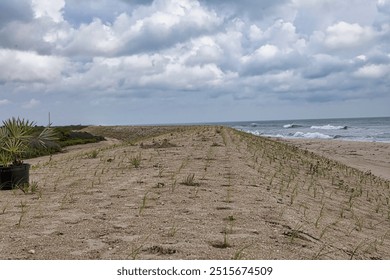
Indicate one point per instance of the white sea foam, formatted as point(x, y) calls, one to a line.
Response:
point(329, 127)
point(363, 129)
point(254, 132)
point(312, 135)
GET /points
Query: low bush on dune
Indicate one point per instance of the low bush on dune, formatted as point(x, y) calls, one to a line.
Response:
point(67, 136)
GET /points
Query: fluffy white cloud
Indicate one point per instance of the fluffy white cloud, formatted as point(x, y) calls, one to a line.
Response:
point(282, 33)
point(181, 49)
point(255, 33)
point(26, 36)
point(137, 72)
point(18, 66)
point(373, 71)
point(49, 8)
point(179, 77)
point(203, 50)
point(148, 28)
point(346, 35)
point(266, 52)
point(95, 38)
point(270, 58)
point(161, 25)
point(317, 15)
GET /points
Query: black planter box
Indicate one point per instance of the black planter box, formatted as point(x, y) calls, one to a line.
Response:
point(12, 176)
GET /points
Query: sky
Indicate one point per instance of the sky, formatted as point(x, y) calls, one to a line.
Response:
point(113, 62)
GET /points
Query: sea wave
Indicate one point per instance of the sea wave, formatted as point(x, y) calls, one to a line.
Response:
point(329, 127)
point(254, 132)
point(291, 125)
point(311, 135)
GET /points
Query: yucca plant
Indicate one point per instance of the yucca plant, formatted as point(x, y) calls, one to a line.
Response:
point(16, 136)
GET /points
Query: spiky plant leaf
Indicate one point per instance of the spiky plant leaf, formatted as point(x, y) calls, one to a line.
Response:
point(48, 134)
point(15, 136)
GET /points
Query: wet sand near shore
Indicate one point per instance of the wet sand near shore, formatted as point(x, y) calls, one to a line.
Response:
point(202, 192)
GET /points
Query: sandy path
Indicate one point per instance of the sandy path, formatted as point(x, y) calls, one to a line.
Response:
point(250, 198)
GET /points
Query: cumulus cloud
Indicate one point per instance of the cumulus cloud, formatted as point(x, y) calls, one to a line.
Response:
point(204, 50)
point(373, 71)
point(343, 35)
point(270, 58)
point(28, 36)
point(276, 51)
point(18, 66)
point(314, 16)
point(151, 28)
point(49, 8)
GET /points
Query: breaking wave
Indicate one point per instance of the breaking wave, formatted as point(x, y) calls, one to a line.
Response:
point(312, 135)
point(329, 127)
point(291, 125)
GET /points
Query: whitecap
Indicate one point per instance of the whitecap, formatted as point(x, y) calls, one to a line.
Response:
point(254, 132)
point(329, 127)
point(312, 135)
point(291, 125)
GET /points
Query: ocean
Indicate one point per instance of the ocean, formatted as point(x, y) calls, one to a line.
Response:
point(353, 129)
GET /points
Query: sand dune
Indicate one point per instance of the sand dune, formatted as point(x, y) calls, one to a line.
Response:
point(197, 193)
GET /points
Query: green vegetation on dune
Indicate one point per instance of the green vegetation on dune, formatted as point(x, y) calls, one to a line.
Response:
point(66, 136)
point(71, 135)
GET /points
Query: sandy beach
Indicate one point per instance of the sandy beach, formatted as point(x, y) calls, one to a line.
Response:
point(202, 192)
point(371, 157)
